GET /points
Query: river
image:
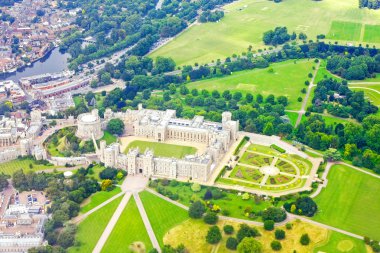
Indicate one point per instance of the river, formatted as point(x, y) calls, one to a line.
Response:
point(54, 61)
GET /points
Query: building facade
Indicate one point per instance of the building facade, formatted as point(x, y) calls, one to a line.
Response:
point(89, 125)
point(161, 126)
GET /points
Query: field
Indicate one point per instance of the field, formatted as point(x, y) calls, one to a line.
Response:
point(98, 198)
point(195, 242)
point(344, 31)
point(162, 149)
point(128, 229)
point(350, 202)
point(338, 242)
point(287, 79)
point(90, 230)
point(372, 33)
point(162, 215)
point(371, 91)
point(245, 22)
point(12, 166)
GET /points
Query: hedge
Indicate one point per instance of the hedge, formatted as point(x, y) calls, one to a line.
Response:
point(279, 149)
point(243, 141)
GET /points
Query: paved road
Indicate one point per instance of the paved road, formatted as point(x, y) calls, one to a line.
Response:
point(304, 103)
point(146, 221)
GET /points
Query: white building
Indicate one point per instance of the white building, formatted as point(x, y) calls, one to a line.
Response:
point(89, 125)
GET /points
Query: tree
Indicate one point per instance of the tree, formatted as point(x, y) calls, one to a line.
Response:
point(108, 173)
point(213, 235)
point(210, 218)
point(196, 187)
point(274, 213)
point(305, 240)
point(228, 229)
point(106, 184)
point(208, 195)
point(164, 64)
point(332, 155)
point(4, 181)
point(231, 243)
point(276, 245)
point(196, 210)
point(246, 231)
point(89, 96)
point(249, 245)
point(279, 234)
point(269, 225)
point(115, 126)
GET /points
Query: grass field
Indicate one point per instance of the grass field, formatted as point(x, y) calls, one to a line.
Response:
point(108, 137)
point(292, 117)
point(372, 33)
point(195, 242)
point(245, 22)
point(350, 202)
point(338, 242)
point(162, 149)
point(347, 31)
point(128, 229)
point(90, 230)
point(371, 92)
point(12, 166)
point(162, 214)
point(288, 79)
point(98, 198)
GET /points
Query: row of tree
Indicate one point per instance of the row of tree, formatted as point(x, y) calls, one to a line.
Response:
point(371, 4)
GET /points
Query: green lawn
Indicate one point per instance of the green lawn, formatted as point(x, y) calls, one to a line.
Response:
point(288, 79)
point(12, 166)
point(108, 137)
point(245, 22)
point(162, 149)
point(338, 242)
point(350, 202)
point(292, 117)
point(128, 229)
point(98, 198)
point(372, 33)
point(371, 92)
point(346, 31)
point(232, 202)
point(162, 215)
point(90, 230)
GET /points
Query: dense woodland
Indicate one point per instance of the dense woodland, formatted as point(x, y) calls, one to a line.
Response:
point(371, 4)
point(121, 24)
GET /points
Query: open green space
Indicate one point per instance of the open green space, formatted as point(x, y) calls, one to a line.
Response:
point(347, 31)
point(372, 33)
point(97, 198)
point(287, 79)
point(292, 117)
point(231, 204)
point(371, 92)
point(108, 137)
point(90, 230)
point(245, 22)
point(350, 202)
point(338, 242)
point(26, 164)
point(128, 229)
point(162, 214)
point(162, 149)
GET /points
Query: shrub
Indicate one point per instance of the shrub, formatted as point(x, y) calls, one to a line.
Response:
point(217, 194)
point(208, 195)
point(289, 226)
point(210, 218)
point(276, 245)
point(196, 187)
point(279, 149)
point(279, 234)
point(367, 240)
point(245, 196)
point(305, 240)
point(269, 225)
point(213, 235)
point(196, 210)
point(246, 231)
point(249, 245)
point(228, 229)
point(274, 213)
point(231, 243)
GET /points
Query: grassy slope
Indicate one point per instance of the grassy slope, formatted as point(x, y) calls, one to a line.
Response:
point(90, 230)
point(162, 149)
point(162, 214)
point(128, 229)
point(12, 166)
point(288, 80)
point(98, 198)
point(350, 202)
point(338, 242)
point(245, 22)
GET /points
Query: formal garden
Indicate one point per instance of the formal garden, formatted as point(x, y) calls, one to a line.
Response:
point(266, 168)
